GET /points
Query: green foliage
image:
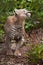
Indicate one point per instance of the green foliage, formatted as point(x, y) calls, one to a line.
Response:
point(2, 34)
point(29, 25)
point(35, 54)
point(35, 6)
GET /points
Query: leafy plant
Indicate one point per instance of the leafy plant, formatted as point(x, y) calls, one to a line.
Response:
point(2, 36)
point(35, 55)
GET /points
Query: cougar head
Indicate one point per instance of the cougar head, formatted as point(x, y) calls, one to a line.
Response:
point(22, 13)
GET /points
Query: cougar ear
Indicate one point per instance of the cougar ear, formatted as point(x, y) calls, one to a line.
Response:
point(16, 11)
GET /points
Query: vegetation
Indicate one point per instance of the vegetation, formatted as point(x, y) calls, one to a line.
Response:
point(35, 55)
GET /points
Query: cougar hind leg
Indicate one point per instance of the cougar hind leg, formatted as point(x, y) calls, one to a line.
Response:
point(7, 43)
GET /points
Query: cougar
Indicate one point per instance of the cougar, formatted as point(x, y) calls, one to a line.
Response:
point(14, 28)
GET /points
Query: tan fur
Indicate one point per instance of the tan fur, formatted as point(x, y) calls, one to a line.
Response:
point(13, 20)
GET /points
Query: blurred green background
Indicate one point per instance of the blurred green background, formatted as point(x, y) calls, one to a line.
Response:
point(7, 8)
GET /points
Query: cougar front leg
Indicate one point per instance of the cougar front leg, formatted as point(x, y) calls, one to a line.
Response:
point(23, 36)
point(17, 51)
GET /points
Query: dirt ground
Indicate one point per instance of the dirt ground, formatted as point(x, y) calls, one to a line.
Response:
point(36, 37)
